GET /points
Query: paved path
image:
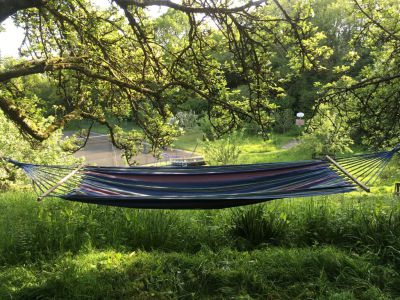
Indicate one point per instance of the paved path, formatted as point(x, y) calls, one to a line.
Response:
point(100, 151)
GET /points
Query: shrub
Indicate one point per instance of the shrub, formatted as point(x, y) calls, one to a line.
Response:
point(206, 128)
point(224, 151)
point(187, 119)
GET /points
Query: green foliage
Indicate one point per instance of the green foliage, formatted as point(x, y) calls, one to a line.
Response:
point(130, 141)
point(224, 151)
point(109, 65)
point(365, 81)
point(284, 120)
point(14, 145)
point(251, 128)
point(327, 134)
point(280, 55)
point(207, 128)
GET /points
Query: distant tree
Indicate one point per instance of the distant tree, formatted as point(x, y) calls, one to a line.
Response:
point(365, 87)
point(328, 133)
point(284, 120)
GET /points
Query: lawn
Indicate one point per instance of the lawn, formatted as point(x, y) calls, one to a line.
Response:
point(191, 140)
point(254, 149)
point(337, 247)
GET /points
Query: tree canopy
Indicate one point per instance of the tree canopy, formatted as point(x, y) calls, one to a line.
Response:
point(242, 59)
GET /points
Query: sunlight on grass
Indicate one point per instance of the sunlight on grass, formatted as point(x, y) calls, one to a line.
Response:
point(254, 149)
point(275, 273)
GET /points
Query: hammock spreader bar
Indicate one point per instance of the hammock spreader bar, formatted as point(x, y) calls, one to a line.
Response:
point(360, 184)
point(64, 179)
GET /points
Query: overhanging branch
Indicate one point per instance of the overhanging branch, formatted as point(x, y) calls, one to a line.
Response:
point(10, 7)
point(74, 63)
point(189, 9)
point(19, 118)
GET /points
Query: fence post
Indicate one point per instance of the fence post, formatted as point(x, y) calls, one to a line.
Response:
point(397, 188)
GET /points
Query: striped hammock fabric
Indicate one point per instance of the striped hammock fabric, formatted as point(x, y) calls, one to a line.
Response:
point(206, 186)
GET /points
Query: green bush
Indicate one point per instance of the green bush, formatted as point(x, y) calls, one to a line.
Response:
point(224, 151)
point(206, 128)
point(327, 134)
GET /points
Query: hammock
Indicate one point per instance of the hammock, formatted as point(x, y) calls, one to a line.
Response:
point(207, 186)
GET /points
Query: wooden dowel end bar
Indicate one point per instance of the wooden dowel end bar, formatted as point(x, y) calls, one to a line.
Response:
point(352, 178)
point(64, 179)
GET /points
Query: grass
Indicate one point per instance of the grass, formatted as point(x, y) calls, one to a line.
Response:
point(275, 273)
point(254, 149)
point(190, 140)
point(336, 247)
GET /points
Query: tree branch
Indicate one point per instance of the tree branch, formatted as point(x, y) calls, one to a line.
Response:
point(21, 120)
point(10, 7)
point(391, 34)
point(188, 9)
point(72, 63)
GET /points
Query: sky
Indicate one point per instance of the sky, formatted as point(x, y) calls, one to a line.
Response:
point(12, 37)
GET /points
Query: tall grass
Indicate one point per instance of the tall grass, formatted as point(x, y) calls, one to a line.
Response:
point(256, 226)
point(338, 247)
point(31, 230)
